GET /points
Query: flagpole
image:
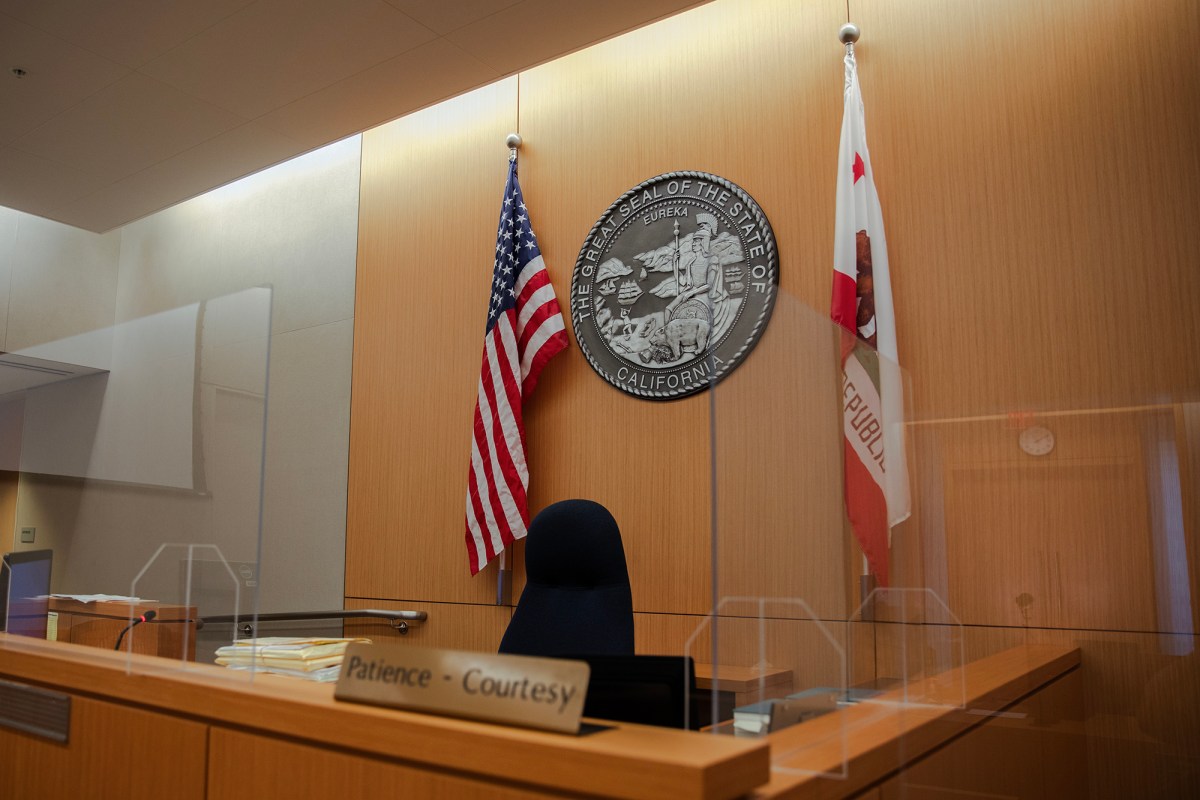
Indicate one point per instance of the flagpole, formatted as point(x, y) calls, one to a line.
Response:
point(504, 580)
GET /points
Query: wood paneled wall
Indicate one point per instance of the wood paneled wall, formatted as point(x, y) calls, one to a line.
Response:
point(690, 93)
point(8, 509)
point(1040, 180)
point(431, 186)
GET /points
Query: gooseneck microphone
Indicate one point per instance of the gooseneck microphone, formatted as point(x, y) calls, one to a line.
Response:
point(149, 615)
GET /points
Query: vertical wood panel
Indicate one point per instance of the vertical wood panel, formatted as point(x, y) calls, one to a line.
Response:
point(253, 767)
point(778, 462)
point(740, 90)
point(1063, 540)
point(113, 752)
point(1141, 694)
point(431, 188)
point(1040, 191)
point(8, 509)
point(454, 626)
point(1036, 752)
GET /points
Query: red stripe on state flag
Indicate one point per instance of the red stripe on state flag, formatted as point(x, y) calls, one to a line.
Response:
point(844, 308)
point(867, 509)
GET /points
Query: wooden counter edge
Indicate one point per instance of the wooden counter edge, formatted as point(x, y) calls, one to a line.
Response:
point(874, 733)
point(630, 761)
point(740, 679)
point(122, 610)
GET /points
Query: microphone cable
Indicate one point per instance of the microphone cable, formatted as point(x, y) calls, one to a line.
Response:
point(149, 615)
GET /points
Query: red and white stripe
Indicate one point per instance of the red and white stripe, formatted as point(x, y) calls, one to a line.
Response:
point(516, 349)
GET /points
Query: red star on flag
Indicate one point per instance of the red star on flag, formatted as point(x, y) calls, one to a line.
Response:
point(859, 168)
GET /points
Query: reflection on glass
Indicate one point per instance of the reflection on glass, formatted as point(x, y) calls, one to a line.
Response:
point(144, 475)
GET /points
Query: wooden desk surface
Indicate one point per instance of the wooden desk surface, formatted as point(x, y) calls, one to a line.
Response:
point(740, 679)
point(630, 761)
point(873, 739)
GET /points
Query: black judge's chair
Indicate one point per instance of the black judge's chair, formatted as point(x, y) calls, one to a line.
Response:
point(576, 599)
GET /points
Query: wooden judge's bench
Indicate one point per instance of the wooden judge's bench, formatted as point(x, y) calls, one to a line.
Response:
point(80, 721)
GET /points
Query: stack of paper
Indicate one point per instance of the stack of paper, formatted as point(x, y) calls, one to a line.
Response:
point(775, 715)
point(312, 659)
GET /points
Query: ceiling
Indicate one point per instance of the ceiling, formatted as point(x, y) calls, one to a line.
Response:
point(129, 106)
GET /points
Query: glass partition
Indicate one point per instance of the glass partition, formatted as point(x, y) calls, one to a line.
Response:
point(141, 470)
point(1046, 526)
point(803, 630)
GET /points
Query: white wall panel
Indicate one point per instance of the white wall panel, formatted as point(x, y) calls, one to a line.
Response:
point(8, 242)
point(64, 282)
point(294, 226)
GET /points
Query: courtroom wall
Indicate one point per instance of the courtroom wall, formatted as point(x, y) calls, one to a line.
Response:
point(1038, 175)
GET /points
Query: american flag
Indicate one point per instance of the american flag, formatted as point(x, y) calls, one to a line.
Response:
point(525, 329)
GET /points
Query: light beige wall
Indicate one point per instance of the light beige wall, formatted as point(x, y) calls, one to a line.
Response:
point(293, 227)
point(8, 246)
point(63, 281)
point(55, 282)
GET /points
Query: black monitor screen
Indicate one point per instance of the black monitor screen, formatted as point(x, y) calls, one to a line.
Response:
point(24, 586)
point(650, 690)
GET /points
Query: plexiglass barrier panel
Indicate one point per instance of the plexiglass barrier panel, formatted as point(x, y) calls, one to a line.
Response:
point(747, 682)
point(1069, 523)
point(918, 648)
point(795, 614)
point(144, 474)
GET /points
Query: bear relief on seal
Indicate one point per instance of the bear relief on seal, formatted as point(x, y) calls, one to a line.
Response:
point(674, 285)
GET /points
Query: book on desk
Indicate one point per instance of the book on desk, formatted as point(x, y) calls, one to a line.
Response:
point(778, 713)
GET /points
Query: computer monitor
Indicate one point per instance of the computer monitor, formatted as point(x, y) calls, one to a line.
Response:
point(24, 590)
point(650, 690)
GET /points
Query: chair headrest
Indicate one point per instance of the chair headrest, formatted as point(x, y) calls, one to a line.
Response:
point(575, 544)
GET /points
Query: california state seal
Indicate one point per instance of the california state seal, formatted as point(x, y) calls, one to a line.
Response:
point(674, 285)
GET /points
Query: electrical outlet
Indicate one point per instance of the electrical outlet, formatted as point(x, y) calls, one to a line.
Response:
point(28, 535)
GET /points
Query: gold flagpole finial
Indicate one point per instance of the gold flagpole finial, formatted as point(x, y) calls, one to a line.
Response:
point(513, 140)
point(849, 33)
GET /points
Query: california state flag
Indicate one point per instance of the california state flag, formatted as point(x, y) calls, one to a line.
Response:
point(876, 474)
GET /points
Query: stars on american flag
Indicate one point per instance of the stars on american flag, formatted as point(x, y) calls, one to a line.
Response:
point(516, 246)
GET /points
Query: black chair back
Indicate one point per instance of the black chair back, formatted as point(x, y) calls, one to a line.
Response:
point(576, 598)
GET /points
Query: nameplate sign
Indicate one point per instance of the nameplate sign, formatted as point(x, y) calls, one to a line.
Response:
point(544, 693)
